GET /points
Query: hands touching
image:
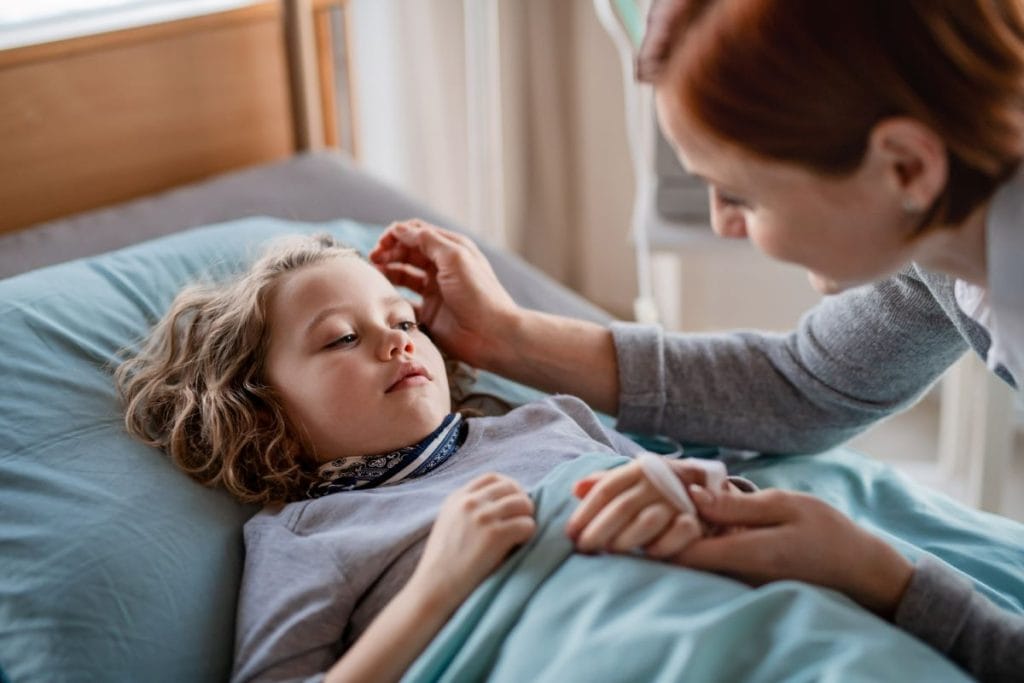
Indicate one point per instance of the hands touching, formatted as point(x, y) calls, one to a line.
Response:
point(755, 537)
point(478, 526)
point(623, 509)
point(463, 302)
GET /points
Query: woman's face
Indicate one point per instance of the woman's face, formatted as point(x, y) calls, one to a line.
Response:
point(845, 231)
point(354, 371)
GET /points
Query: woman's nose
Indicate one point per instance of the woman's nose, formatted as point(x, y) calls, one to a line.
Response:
point(729, 224)
point(395, 343)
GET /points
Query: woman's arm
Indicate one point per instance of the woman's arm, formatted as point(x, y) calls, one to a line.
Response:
point(796, 536)
point(476, 528)
point(942, 608)
point(856, 358)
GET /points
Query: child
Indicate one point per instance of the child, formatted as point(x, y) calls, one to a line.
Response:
point(307, 386)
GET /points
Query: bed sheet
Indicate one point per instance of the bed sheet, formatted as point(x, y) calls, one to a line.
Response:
point(549, 614)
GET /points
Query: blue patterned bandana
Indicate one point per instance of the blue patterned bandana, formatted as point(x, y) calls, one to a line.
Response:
point(371, 471)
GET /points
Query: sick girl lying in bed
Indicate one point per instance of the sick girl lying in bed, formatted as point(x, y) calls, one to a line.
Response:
point(306, 386)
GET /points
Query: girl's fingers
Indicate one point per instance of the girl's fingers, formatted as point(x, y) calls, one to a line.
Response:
point(508, 506)
point(517, 529)
point(608, 486)
point(582, 487)
point(684, 530)
point(614, 517)
point(651, 523)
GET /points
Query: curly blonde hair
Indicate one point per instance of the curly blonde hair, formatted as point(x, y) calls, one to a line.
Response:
point(196, 387)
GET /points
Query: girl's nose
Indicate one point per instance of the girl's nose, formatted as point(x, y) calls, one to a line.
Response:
point(396, 342)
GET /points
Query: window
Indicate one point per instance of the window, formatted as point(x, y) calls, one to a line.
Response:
point(25, 23)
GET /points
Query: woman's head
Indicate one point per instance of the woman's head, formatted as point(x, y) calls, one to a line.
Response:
point(908, 113)
point(309, 356)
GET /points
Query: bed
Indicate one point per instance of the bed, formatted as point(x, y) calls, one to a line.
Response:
point(115, 567)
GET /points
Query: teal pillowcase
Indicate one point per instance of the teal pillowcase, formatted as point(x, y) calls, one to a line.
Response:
point(114, 565)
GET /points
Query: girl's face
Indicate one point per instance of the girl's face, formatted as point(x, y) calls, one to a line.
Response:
point(353, 370)
point(845, 231)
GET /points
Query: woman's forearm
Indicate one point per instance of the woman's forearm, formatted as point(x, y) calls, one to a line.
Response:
point(558, 354)
point(398, 635)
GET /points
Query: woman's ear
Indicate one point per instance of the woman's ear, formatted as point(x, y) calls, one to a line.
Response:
point(913, 161)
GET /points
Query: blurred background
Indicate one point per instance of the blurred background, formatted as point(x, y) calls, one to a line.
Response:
point(519, 120)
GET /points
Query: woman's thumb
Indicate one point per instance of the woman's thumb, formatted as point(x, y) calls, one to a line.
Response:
point(763, 508)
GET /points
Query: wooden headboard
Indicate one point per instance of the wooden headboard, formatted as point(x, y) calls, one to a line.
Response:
point(100, 119)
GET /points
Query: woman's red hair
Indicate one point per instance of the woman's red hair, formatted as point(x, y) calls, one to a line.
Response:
point(805, 81)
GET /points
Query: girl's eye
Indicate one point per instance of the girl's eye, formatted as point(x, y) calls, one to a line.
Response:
point(406, 325)
point(344, 340)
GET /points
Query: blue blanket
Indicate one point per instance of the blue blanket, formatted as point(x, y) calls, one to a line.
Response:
point(549, 614)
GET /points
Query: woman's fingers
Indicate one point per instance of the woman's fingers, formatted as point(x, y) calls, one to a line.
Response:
point(753, 555)
point(390, 248)
point(411, 277)
point(415, 243)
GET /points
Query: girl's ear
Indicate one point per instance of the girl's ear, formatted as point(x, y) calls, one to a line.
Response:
point(912, 159)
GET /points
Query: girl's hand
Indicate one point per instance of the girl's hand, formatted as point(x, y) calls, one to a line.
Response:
point(789, 535)
point(477, 527)
point(622, 510)
point(464, 306)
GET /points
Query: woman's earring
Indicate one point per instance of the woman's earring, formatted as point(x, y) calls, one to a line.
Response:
point(910, 205)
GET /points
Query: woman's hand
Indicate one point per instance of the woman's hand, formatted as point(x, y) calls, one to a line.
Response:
point(787, 535)
point(477, 527)
point(464, 306)
point(622, 510)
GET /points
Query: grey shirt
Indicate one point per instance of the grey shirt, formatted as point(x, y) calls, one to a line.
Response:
point(853, 359)
point(318, 571)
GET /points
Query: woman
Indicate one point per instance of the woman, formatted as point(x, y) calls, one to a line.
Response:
point(872, 142)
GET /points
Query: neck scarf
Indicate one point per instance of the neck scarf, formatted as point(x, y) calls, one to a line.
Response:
point(384, 469)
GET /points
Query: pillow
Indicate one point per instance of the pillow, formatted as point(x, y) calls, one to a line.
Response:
point(114, 565)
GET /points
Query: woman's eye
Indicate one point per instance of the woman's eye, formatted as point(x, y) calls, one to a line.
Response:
point(406, 325)
point(729, 200)
point(344, 340)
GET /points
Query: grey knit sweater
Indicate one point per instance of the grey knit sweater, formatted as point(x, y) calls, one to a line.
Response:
point(854, 358)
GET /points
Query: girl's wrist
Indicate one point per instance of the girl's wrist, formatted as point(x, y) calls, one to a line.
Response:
point(429, 597)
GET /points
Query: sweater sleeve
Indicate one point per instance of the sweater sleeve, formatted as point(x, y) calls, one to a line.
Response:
point(853, 359)
point(944, 610)
point(293, 608)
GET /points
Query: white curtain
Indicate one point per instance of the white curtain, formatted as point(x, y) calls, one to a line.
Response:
point(565, 179)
